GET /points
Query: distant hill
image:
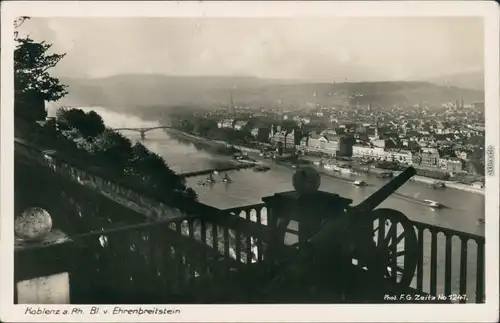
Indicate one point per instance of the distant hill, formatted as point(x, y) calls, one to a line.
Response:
point(132, 91)
point(471, 80)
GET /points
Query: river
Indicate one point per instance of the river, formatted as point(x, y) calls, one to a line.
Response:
point(248, 187)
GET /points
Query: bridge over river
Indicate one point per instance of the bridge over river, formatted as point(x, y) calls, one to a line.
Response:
point(143, 130)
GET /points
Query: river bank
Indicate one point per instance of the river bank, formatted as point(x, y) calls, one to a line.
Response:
point(219, 144)
point(427, 180)
point(180, 135)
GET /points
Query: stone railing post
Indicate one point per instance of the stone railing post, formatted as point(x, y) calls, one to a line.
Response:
point(41, 260)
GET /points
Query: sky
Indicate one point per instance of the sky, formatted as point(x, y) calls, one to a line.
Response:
point(322, 49)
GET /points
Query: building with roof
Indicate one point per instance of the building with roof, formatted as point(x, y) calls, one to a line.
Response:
point(225, 123)
point(329, 144)
point(429, 157)
point(451, 164)
point(239, 125)
point(261, 134)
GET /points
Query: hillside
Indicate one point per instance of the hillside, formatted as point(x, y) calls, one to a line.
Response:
point(471, 80)
point(132, 91)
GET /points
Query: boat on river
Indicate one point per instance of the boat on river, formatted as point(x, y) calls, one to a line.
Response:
point(246, 160)
point(386, 175)
point(434, 204)
point(261, 168)
point(329, 167)
point(226, 179)
point(344, 170)
point(210, 179)
point(437, 185)
point(359, 183)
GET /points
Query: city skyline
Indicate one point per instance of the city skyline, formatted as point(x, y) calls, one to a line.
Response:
point(352, 49)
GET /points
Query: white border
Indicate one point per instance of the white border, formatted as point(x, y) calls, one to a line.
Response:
point(233, 313)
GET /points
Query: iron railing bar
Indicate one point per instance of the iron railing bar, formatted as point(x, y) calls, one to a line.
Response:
point(447, 266)
point(433, 280)
point(77, 238)
point(240, 208)
point(463, 268)
point(420, 260)
point(248, 240)
point(480, 274)
point(444, 230)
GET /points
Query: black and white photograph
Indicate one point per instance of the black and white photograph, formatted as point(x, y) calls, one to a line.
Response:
point(242, 158)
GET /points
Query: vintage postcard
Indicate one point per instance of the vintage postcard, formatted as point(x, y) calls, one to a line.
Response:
point(249, 161)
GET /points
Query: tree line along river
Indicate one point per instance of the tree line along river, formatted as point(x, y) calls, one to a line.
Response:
point(462, 212)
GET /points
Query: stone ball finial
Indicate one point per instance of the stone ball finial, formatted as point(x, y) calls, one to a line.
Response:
point(306, 180)
point(34, 224)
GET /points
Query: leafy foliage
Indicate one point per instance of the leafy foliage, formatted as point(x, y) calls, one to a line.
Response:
point(113, 148)
point(208, 128)
point(88, 124)
point(33, 85)
point(31, 65)
point(121, 157)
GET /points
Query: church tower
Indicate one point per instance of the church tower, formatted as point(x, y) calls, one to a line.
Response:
point(231, 103)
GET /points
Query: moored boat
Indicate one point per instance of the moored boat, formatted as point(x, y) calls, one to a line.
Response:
point(437, 184)
point(210, 179)
point(385, 175)
point(346, 170)
point(434, 204)
point(226, 179)
point(359, 183)
point(246, 159)
point(261, 168)
point(329, 166)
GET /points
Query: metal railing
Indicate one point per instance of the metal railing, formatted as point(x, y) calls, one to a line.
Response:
point(452, 262)
point(436, 272)
point(191, 258)
point(142, 263)
point(206, 237)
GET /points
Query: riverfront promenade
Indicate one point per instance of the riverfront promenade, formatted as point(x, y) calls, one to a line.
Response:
point(251, 152)
point(237, 166)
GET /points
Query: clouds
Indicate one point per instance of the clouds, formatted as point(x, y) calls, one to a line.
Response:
point(334, 48)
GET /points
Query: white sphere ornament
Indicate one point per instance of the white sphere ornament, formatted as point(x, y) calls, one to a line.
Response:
point(306, 180)
point(33, 225)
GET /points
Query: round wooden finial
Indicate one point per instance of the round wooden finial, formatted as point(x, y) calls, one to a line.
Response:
point(34, 224)
point(306, 180)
